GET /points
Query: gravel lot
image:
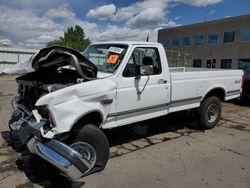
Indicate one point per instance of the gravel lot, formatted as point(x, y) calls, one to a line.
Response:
point(163, 152)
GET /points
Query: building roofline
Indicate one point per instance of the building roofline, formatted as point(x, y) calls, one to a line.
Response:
point(17, 50)
point(209, 22)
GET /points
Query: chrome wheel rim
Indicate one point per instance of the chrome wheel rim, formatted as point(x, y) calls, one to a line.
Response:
point(87, 152)
point(212, 113)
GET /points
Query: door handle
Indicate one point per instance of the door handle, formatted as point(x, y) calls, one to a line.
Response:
point(161, 81)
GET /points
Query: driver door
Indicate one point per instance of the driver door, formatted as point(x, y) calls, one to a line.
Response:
point(141, 97)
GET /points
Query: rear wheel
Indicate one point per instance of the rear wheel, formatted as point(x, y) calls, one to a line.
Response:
point(91, 143)
point(209, 112)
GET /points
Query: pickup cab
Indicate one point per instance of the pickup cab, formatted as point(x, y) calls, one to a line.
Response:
point(66, 99)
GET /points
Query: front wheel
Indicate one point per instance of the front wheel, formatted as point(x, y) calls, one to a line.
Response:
point(91, 143)
point(209, 112)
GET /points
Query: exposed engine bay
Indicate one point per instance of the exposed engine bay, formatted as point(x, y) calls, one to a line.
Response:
point(34, 85)
point(52, 69)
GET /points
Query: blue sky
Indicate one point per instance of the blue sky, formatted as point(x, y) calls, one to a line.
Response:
point(31, 24)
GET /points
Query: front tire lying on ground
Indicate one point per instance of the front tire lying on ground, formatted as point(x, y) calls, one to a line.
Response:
point(209, 112)
point(91, 142)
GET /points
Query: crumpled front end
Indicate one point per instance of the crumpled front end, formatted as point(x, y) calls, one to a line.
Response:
point(57, 87)
point(29, 126)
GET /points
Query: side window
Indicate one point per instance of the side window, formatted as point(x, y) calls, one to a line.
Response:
point(142, 56)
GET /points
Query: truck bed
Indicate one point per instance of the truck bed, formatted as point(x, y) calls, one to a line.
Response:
point(190, 85)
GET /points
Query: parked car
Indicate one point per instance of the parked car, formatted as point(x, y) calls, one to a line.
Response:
point(246, 84)
point(66, 99)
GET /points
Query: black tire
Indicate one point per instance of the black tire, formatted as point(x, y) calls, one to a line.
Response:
point(93, 136)
point(244, 96)
point(209, 112)
point(33, 167)
point(15, 143)
point(39, 171)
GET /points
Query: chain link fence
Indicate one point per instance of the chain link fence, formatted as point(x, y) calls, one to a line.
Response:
point(179, 59)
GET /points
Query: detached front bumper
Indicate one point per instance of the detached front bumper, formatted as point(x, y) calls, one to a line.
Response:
point(70, 162)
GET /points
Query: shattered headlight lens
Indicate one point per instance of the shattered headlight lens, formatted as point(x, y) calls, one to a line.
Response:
point(44, 112)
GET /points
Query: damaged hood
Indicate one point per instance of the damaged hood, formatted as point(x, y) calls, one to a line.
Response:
point(53, 58)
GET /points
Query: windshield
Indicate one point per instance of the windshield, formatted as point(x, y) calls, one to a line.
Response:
point(107, 57)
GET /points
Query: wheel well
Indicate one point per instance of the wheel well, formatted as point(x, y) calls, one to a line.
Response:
point(218, 92)
point(94, 118)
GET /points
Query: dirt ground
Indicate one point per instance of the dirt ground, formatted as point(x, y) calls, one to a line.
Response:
point(163, 152)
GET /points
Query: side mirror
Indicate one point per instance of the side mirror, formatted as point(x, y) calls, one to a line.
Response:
point(146, 69)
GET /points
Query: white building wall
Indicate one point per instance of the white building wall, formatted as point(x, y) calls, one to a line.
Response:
point(24, 57)
point(8, 57)
point(11, 56)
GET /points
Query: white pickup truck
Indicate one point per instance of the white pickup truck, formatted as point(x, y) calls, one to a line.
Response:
point(66, 98)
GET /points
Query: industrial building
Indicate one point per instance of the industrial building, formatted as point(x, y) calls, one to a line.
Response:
point(223, 43)
point(11, 56)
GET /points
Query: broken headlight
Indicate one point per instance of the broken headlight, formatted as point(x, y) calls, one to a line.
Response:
point(44, 112)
